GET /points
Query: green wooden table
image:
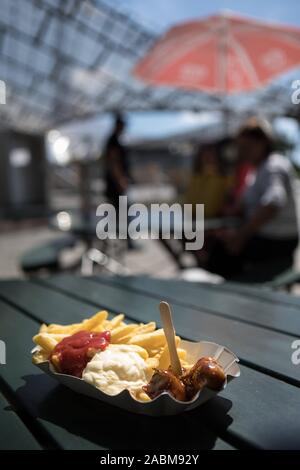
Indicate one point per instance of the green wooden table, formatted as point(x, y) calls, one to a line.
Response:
point(258, 410)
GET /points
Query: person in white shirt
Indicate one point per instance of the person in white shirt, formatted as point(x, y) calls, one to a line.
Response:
point(270, 228)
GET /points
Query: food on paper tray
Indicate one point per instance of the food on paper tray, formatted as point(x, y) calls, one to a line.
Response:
point(113, 356)
point(119, 367)
point(72, 354)
point(205, 373)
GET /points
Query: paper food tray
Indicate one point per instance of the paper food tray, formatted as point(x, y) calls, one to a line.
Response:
point(164, 404)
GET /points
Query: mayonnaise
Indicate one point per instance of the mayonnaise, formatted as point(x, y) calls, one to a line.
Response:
point(117, 368)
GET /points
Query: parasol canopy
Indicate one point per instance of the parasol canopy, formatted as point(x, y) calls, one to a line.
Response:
point(225, 53)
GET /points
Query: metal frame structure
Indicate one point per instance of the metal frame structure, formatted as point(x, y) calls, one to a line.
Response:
point(63, 60)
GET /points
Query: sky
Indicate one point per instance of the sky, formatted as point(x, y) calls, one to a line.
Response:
point(161, 14)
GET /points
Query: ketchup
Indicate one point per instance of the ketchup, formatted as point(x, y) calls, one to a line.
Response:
point(71, 355)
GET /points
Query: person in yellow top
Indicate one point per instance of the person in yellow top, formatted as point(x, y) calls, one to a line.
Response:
point(209, 185)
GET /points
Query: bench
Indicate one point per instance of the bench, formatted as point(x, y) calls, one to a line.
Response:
point(46, 255)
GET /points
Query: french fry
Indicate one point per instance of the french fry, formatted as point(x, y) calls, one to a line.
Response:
point(141, 328)
point(156, 352)
point(59, 336)
point(99, 328)
point(65, 329)
point(164, 360)
point(141, 352)
point(152, 362)
point(182, 354)
point(125, 339)
point(111, 324)
point(40, 356)
point(43, 328)
point(142, 396)
point(151, 340)
point(45, 341)
point(118, 333)
point(55, 361)
point(146, 328)
point(93, 322)
point(88, 324)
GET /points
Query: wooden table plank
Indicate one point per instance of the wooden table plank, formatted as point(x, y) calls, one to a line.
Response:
point(76, 422)
point(263, 349)
point(218, 300)
point(259, 292)
point(260, 393)
point(14, 434)
point(256, 402)
point(30, 297)
point(249, 412)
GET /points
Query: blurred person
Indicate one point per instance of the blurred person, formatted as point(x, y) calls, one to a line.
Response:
point(269, 230)
point(116, 163)
point(209, 184)
point(241, 172)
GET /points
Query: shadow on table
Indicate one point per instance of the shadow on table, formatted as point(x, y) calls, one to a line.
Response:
point(112, 428)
